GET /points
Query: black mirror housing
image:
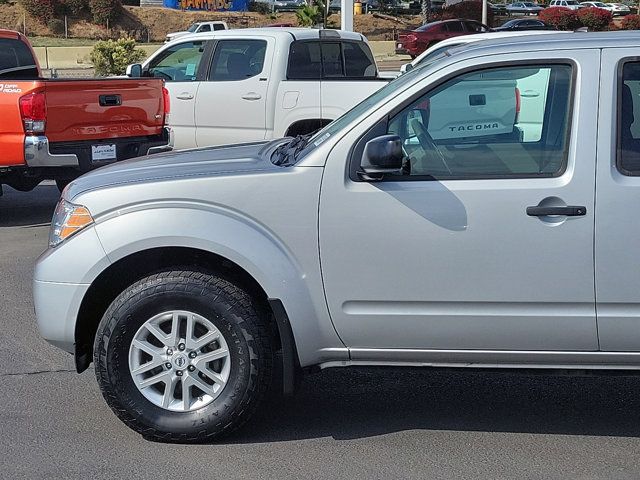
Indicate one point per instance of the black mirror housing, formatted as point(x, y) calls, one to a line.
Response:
point(381, 156)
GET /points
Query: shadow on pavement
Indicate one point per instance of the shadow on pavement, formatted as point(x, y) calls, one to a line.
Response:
point(358, 403)
point(25, 209)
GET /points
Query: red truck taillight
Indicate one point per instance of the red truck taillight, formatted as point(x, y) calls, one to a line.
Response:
point(518, 104)
point(33, 109)
point(167, 103)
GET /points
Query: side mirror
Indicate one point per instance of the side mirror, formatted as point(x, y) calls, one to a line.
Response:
point(407, 67)
point(381, 156)
point(134, 70)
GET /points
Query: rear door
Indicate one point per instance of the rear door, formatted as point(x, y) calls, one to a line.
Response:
point(232, 101)
point(617, 198)
point(182, 67)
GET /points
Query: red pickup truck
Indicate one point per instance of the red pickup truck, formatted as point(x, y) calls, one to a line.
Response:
point(59, 129)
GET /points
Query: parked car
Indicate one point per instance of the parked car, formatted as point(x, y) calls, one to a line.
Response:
point(620, 9)
point(288, 5)
point(416, 41)
point(255, 84)
point(615, 8)
point(570, 4)
point(59, 129)
point(190, 296)
point(521, 24)
point(527, 8)
point(198, 27)
point(498, 8)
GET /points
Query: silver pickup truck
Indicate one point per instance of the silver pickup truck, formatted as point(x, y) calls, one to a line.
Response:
point(198, 280)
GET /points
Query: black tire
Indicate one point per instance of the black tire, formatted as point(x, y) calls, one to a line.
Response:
point(230, 309)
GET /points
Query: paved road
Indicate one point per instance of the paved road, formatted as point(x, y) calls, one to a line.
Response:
point(355, 424)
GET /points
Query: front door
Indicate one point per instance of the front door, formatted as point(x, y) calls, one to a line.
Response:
point(180, 66)
point(475, 244)
point(232, 102)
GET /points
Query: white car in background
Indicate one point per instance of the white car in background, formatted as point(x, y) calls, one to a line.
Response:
point(604, 6)
point(620, 9)
point(570, 4)
point(198, 27)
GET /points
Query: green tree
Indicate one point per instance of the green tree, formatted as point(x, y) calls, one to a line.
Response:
point(111, 57)
point(310, 15)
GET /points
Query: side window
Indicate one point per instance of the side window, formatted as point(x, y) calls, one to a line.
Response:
point(237, 60)
point(474, 27)
point(218, 26)
point(495, 123)
point(16, 60)
point(358, 61)
point(179, 63)
point(205, 27)
point(455, 27)
point(304, 61)
point(629, 119)
point(332, 66)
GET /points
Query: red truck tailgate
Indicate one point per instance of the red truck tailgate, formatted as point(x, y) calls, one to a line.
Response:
point(103, 108)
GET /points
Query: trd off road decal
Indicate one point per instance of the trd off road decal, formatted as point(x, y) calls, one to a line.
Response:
point(9, 88)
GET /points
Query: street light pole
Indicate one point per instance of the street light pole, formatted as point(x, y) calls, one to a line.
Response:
point(484, 11)
point(346, 15)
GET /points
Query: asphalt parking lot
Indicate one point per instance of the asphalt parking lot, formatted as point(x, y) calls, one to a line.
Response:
point(356, 424)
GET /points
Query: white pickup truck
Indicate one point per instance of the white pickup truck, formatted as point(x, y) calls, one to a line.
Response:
point(198, 27)
point(257, 84)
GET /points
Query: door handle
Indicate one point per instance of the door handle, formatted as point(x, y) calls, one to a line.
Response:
point(185, 96)
point(252, 96)
point(568, 211)
point(529, 94)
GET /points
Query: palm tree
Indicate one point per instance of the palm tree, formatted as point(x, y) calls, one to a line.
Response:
point(425, 11)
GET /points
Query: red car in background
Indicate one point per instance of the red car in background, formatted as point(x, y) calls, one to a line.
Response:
point(414, 42)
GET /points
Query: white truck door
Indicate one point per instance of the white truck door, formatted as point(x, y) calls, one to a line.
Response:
point(232, 101)
point(482, 242)
point(181, 67)
point(617, 197)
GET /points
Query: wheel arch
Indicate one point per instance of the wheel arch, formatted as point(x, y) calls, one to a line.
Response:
point(135, 266)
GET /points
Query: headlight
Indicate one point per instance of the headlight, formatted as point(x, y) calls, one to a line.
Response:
point(68, 220)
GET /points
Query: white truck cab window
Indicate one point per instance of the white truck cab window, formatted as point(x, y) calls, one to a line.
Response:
point(499, 122)
point(179, 63)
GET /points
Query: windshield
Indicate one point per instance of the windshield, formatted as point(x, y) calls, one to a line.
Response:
point(389, 90)
point(193, 27)
point(529, 4)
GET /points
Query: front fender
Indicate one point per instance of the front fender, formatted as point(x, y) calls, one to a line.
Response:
point(281, 272)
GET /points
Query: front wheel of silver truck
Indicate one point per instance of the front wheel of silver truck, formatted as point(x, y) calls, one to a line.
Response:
point(183, 356)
